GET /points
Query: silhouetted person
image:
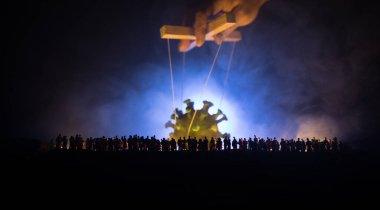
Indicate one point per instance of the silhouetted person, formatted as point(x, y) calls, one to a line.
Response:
point(334, 145)
point(283, 145)
point(268, 145)
point(245, 144)
point(205, 144)
point(58, 142)
point(303, 146)
point(80, 142)
point(226, 143)
point(219, 144)
point(130, 143)
point(255, 144)
point(275, 145)
point(173, 145)
point(250, 144)
point(90, 144)
point(234, 144)
point(180, 144)
point(298, 145)
point(72, 143)
point(125, 145)
point(65, 142)
point(309, 145)
point(212, 144)
point(262, 145)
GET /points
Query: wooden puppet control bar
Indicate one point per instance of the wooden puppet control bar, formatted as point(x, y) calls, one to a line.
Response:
point(214, 27)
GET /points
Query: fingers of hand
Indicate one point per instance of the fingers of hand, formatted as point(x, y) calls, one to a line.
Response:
point(200, 28)
point(225, 5)
point(218, 39)
point(226, 33)
point(183, 45)
point(247, 12)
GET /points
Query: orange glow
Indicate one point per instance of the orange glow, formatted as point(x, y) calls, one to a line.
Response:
point(318, 127)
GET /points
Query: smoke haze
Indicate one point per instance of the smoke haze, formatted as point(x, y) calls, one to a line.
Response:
point(303, 69)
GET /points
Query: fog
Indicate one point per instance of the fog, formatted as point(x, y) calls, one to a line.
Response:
point(298, 72)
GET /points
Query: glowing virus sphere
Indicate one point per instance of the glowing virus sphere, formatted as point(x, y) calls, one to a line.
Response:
point(204, 124)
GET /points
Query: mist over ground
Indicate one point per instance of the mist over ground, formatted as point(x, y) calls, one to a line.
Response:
point(303, 69)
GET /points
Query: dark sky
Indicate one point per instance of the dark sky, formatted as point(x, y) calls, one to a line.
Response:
point(303, 68)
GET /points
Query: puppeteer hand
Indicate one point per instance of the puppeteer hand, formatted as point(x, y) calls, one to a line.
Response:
point(245, 12)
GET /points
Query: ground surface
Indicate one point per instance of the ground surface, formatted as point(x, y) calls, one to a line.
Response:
point(192, 179)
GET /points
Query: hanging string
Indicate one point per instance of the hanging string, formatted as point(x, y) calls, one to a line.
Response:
point(205, 86)
point(211, 69)
point(183, 74)
point(171, 79)
point(227, 74)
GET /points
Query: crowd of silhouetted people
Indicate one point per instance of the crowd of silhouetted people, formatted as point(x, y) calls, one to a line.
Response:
point(140, 143)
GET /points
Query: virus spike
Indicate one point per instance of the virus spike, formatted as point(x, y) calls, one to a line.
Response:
point(207, 105)
point(224, 118)
point(169, 125)
point(190, 105)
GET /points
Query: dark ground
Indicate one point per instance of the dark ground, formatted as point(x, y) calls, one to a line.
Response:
point(175, 179)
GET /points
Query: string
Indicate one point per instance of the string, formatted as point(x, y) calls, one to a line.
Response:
point(205, 87)
point(227, 74)
point(171, 79)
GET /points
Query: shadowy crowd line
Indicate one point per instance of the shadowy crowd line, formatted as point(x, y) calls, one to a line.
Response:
point(140, 143)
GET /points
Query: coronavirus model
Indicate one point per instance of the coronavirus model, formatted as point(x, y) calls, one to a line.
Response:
point(196, 123)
